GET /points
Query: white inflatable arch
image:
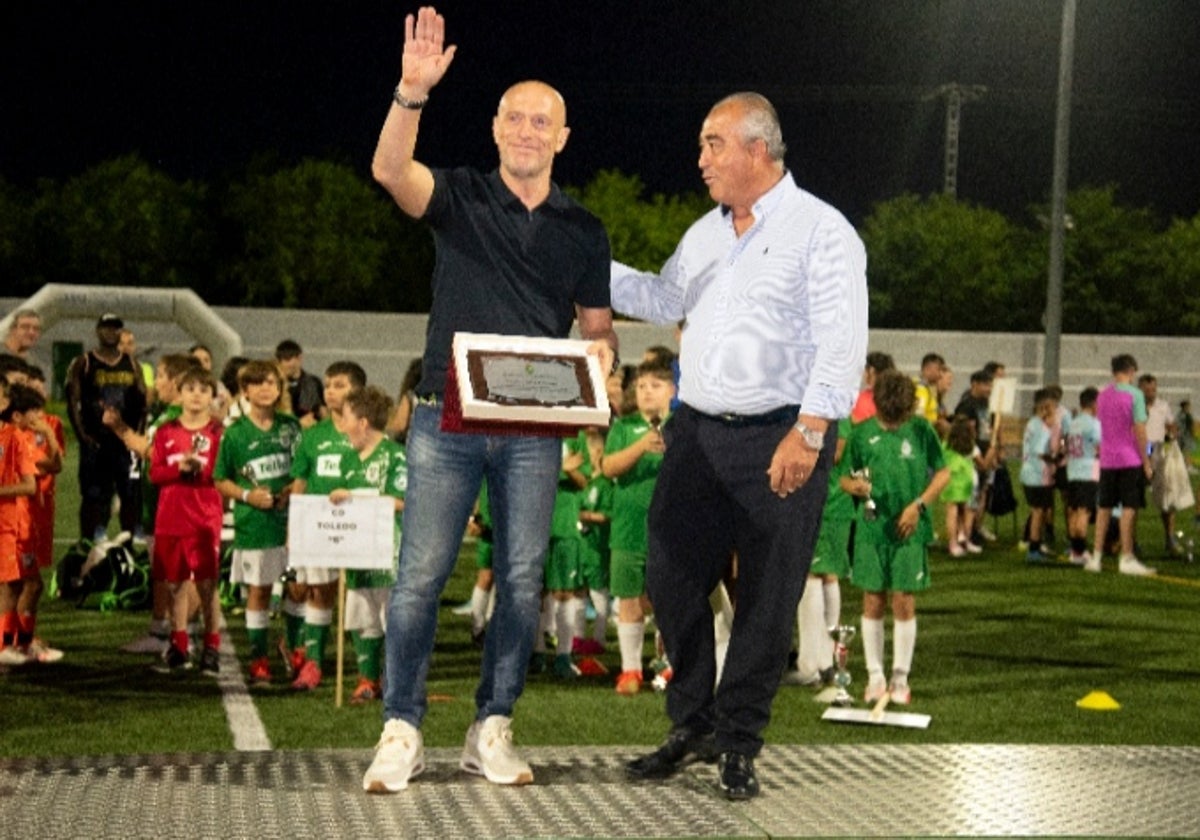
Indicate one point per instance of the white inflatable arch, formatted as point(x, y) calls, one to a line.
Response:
point(60, 302)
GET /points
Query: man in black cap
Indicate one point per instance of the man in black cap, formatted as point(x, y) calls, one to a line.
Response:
point(101, 378)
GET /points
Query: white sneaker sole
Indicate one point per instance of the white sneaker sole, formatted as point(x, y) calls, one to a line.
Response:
point(525, 777)
point(381, 786)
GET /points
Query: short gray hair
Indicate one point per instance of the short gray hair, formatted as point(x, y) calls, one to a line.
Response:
point(20, 315)
point(761, 122)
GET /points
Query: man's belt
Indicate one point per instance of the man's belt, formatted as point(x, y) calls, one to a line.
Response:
point(775, 417)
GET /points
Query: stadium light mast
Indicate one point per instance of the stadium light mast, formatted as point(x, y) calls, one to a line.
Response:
point(955, 95)
point(1058, 198)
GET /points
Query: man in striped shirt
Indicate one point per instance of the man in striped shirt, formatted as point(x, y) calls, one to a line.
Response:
point(772, 283)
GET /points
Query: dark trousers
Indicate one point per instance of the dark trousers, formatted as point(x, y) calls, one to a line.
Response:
point(713, 500)
point(103, 471)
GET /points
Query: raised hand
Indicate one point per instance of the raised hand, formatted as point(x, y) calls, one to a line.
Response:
point(425, 56)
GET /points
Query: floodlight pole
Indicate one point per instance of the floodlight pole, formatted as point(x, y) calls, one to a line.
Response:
point(1058, 197)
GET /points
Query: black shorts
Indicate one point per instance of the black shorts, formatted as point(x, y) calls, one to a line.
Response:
point(1038, 497)
point(1060, 478)
point(1082, 494)
point(1125, 486)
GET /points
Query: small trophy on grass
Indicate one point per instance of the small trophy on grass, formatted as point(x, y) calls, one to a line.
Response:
point(844, 635)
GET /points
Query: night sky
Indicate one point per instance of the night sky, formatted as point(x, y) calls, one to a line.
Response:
point(200, 89)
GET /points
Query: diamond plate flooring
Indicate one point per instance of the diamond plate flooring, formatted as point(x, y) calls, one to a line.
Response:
point(823, 791)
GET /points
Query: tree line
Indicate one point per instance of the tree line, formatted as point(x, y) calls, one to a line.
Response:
point(319, 235)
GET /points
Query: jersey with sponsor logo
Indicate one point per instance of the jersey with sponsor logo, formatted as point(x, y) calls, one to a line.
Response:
point(323, 458)
point(634, 488)
point(253, 457)
point(385, 470)
point(188, 503)
point(901, 460)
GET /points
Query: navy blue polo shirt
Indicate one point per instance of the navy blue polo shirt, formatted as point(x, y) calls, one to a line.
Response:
point(502, 268)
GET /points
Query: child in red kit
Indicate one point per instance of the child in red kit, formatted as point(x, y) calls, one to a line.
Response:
point(187, 527)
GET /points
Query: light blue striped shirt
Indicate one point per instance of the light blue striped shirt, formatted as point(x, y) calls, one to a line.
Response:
point(777, 316)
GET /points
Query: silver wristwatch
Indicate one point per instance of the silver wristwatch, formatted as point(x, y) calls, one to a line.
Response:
point(814, 439)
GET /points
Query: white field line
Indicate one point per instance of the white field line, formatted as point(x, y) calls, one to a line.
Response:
point(249, 734)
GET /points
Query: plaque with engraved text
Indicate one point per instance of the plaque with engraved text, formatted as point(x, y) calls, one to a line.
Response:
point(528, 385)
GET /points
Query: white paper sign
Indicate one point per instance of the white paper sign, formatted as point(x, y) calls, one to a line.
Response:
point(360, 533)
point(1004, 396)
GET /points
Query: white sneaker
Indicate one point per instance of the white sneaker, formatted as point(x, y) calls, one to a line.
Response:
point(956, 549)
point(972, 548)
point(399, 757)
point(1091, 562)
point(1130, 565)
point(12, 656)
point(489, 752)
point(901, 693)
point(39, 651)
point(876, 688)
point(149, 643)
point(986, 533)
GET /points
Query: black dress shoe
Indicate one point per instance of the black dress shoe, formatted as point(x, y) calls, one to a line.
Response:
point(736, 774)
point(682, 747)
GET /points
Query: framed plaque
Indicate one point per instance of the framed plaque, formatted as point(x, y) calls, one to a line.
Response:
point(520, 385)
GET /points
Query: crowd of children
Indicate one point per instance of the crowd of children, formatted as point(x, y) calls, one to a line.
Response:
point(231, 450)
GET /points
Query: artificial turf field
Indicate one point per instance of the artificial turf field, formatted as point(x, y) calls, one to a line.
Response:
point(1004, 650)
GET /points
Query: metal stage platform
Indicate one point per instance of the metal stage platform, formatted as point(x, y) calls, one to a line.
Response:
point(825, 791)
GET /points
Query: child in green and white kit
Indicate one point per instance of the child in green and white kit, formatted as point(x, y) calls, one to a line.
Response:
point(564, 583)
point(320, 463)
point(820, 606)
point(380, 466)
point(254, 469)
point(483, 593)
point(632, 457)
point(907, 473)
point(962, 489)
point(595, 509)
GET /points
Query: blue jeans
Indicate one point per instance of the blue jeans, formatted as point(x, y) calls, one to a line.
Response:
point(445, 471)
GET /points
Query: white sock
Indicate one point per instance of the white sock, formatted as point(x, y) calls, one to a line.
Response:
point(479, 605)
point(872, 638)
point(904, 640)
point(833, 615)
point(631, 636)
point(600, 605)
point(491, 604)
point(833, 604)
point(810, 617)
point(316, 617)
point(567, 617)
point(577, 617)
point(258, 619)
